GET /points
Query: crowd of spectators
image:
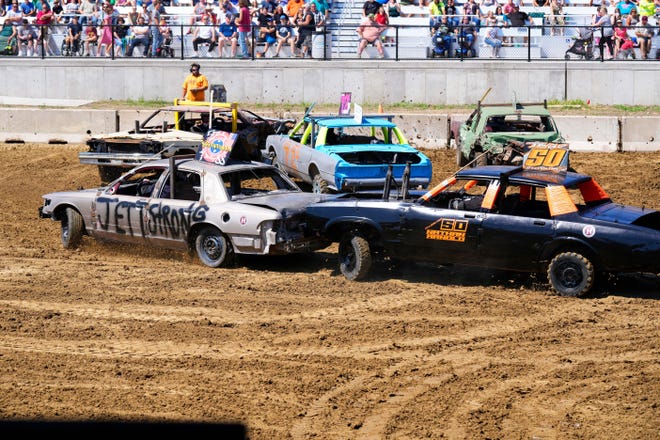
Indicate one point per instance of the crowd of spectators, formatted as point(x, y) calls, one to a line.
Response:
point(261, 28)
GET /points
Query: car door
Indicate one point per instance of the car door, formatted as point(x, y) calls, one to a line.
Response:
point(120, 210)
point(440, 235)
point(170, 213)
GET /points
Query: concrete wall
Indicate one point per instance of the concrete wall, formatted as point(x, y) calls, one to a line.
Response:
point(440, 82)
point(599, 133)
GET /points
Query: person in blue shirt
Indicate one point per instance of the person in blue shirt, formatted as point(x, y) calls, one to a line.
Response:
point(228, 35)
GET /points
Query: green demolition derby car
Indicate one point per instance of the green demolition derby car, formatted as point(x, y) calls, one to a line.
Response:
point(495, 134)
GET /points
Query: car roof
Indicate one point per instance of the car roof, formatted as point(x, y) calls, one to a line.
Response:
point(511, 110)
point(194, 109)
point(516, 174)
point(192, 164)
point(351, 122)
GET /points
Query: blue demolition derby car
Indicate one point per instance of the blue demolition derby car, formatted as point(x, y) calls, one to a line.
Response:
point(537, 217)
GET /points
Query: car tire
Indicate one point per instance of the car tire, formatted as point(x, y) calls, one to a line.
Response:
point(213, 247)
point(320, 186)
point(73, 228)
point(571, 274)
point(108, 174)
point(355, 258)
point(461, 161)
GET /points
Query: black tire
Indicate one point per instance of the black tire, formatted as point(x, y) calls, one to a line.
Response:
point(571, 274)
point(73, 229)
point(355, 258)
point(108, 174)
point(213, 247)
point(320, 186)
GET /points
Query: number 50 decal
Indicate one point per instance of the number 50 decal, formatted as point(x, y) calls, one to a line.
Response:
point(546, 158)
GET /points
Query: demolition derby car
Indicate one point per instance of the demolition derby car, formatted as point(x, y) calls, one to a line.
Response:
point(494, 134)
point(211, 204)
point(345, 153)
point(535, 218)
point(177, 129)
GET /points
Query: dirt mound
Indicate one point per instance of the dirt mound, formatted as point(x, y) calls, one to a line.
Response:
point(290, 349)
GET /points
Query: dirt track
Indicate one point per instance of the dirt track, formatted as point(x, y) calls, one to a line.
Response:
point(290, 349)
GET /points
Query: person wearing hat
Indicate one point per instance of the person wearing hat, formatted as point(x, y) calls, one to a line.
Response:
point(285, 35)
point(369, 32)
point(269, 32)
point(228, 35)
point(644, 33)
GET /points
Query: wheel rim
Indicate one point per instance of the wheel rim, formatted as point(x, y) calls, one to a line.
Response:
point(348, 259)
point(569, 275)
point(213, 247)
point(65, 231)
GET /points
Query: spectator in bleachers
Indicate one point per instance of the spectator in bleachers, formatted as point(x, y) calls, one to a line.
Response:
point(204, 33)
point(131, 17)
point(509, 7)
point(227, 7)
point(319, 17)
point(269, 35)
point(88, 12)
point(57, 11)
point(603, 21)
point(623, 45)
point(91, 39)
point(540, 3)
point(14, 15)
point(381, 17)
point(44, 18)
point(73, 34)
point(270, 6)
point(370, 7)
point(140, 33)
point(644, 33)
point(305, 27)
point(556, 17)
point(472, 9)
point(228, 35)
point(466, 35)
point(369, 32)
point(519, 18)
point(452, 12)
point(28, 9)
point(647, 7)
point(70, 9)
point(494, 37)
point(293, 7)
point(624, 7)
point(443, 29)
point(285, 35)
point(120, 33)
point(198, 12)
point(108, 17)
point(633, 18)
point(599, 3)
point(155, 11)
point(501, 16)
point(393, 8)
point(27, 38)
point(244, 24)
point(436, 10)
point(323, 7)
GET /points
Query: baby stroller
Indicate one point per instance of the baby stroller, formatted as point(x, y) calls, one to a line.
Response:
point(441, 42)
point(583, 46)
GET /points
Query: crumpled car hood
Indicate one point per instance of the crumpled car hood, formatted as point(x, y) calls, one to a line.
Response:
point(286, 202)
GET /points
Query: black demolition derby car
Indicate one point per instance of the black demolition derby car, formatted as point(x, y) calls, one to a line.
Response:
point(535, 218)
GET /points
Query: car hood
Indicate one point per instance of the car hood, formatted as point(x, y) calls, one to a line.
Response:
point(286, 202)
point(171, 135)
point(622, 214)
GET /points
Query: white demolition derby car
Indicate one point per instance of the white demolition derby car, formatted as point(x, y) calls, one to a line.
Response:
point(210, 203)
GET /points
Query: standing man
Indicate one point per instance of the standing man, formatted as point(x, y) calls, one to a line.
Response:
point(155, 10)
point(195, 85)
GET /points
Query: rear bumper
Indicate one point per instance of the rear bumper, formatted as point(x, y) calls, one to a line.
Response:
point(378, 183)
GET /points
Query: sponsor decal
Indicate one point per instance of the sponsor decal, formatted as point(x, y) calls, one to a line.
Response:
point(243, 220)
point(447, 229)
point(546, 156)
point(216, 147)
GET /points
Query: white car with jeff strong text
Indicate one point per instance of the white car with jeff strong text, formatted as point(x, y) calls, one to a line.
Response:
point(184, 203)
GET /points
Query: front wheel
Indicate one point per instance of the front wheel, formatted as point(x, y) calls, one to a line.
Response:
point(73, 229)
point(320, 186)
point(355, 257)
point(213, 247)
point(571, 274)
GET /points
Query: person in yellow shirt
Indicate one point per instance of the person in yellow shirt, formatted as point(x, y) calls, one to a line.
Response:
point(195, 85)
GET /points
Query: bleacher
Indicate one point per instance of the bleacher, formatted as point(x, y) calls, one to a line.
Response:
point(408, 37)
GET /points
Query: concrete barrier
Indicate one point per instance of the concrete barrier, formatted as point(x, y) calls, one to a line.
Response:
point(423, 130)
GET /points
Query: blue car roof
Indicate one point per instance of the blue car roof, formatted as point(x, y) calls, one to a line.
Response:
point(517, 175)
point(351, 122)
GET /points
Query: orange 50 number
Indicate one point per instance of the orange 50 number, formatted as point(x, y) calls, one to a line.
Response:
point(550, 158)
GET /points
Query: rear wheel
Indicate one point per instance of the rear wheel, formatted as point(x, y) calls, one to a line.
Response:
point(461, 161)
point(213, 247)
point(73, 228)
point(320, 186)
point(355, 258)
point(571, 274)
